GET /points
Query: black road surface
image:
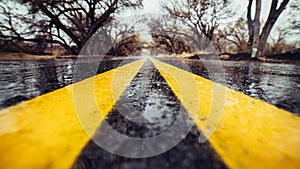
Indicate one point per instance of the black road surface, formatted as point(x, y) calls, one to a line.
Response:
point(147, 108)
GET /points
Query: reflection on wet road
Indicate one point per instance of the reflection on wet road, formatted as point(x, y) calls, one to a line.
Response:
point(23, 80)
point(278, 84)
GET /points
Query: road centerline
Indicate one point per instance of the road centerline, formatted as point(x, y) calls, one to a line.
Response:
point(148, 110)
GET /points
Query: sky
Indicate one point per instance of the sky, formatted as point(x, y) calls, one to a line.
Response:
point(151, 6)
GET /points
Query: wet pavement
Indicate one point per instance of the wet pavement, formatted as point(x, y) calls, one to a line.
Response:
point(148, 108)
point(277, 84)
point(24, 80)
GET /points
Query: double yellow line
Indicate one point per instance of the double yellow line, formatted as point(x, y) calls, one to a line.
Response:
point(45, 132)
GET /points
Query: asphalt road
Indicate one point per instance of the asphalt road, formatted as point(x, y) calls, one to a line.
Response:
point(148, 108)
point(277, 84)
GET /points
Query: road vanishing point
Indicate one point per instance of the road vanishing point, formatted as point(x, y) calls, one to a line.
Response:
point(60, 129)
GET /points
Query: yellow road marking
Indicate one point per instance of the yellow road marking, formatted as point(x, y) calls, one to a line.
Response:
point(45, 133)
point(250, 133)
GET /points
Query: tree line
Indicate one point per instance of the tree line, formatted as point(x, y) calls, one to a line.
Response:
point(194, 24)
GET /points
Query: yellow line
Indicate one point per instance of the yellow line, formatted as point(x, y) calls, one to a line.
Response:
point(45, 132)
point(249, 134)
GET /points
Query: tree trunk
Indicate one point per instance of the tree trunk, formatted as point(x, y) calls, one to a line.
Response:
point(263, 38)
point(250, 25)
point(256, 24)
point(272, 18)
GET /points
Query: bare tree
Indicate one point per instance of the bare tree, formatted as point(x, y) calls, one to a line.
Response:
point(69, 23)
point(131, 45)
point(202, 16)
point(169, 45)
point(257, 37)
point(119, 29)
point(169, 36)
point(278, 43)
point(234, 36)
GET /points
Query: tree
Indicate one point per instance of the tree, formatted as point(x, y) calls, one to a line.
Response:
point(131, 45)
point(69, 23)
point(257, 37)
point(234, 36)
point(169, 37)
point(202, 17)
point(168, 45)
point(278, 43)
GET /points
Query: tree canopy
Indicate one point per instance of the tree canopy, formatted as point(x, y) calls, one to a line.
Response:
point(69, 23)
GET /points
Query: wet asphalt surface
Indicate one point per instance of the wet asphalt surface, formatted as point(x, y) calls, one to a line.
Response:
point(274, 83)
point(148, 108)
point(277, 84)
point(24, 80)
